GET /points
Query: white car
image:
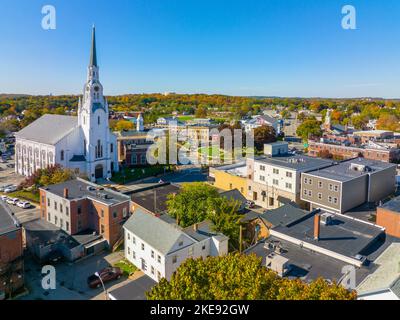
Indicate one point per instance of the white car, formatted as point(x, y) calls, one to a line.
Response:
point(24, 204)
point(12, 201)
point(10, 189)
point(2, 188)
point(3, 198)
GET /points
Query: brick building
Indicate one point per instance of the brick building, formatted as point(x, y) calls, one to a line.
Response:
point(11, 253)
point(388, 216)
point(78, 207)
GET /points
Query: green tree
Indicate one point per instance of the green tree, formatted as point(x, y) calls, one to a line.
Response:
point(309, 128)
point(191, 205)
point(240, 277)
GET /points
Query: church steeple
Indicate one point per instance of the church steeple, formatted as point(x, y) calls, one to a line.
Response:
point(93, 54)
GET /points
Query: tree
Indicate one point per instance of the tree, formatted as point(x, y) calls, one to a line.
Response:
point(388, 122)
point(122, 125)
point(191, 205)
point(201, 112)
point(262, 135)
point(240, 277)
point(309, 128)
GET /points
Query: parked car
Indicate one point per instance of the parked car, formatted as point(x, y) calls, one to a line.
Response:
point(24, 204)
point(12, 201)
point(10, 166)
point(2, 188)
point(107, 274)
point(3, 198)
point(10, 189)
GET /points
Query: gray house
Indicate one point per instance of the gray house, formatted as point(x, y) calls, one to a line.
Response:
point(349, 184)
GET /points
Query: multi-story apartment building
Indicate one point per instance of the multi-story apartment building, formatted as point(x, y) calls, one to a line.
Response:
point(349, 184)
point(276, 180)
point(11, 252)
point(158, 248)
point(78, 206)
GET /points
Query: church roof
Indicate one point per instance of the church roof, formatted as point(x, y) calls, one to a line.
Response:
point(48, 129)
point(93, 53)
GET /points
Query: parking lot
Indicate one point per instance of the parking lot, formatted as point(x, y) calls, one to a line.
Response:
point(71, 279)
point(8, 176)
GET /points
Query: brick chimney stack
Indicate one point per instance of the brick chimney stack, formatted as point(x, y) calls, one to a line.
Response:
point(317, 226)
point(196, 227)
point(66, 193)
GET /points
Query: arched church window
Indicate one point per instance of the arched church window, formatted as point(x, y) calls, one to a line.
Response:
point(62, 155)
point(98, 120)
point(84, 147)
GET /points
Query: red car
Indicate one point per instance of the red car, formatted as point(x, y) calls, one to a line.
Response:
point(106, 275)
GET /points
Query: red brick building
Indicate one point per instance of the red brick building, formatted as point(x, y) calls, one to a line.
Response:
point(80, 207)
point(11, 253)
point(388, 216)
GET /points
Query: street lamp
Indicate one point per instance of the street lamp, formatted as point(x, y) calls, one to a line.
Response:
point(102, 283)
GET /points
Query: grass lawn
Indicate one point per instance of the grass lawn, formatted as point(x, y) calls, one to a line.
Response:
point(127, 268)
point(131, 174)
point(185, 118)
point(26, 195)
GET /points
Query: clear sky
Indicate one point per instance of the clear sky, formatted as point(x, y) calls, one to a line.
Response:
point(235, 47)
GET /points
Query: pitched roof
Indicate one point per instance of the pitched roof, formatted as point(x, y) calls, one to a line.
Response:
point(7, 222)
point(159, 234)
point(93, 54)
point(234, 195)
point(48, 129)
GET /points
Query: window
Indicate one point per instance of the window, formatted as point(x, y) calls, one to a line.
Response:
point(98, 120)
point(67, 211)
point(275, 171)
point(181, 243)
point(61, 208)
point(330, 187)
point(102, 213)
point(79, 209)
point(289, 174)
point(133, 254)
point(330, 199)
point(230, 186)
point(271, 202)
point(336, 188)
point(62, 155)
point(152, 254)
point(128, 236)
point(111, 147)
point(309, 193)
point(191, 250)
point(49, 217)
point(48, 202)
point(129, 250)
point(152, 270)
point(305, 180)
point(174, 259)
point(275, 182)
point(310, 182)
point(288, 186)
point(142, 246)
point(203, 247)
point(262, 178)
point(55, 220)
point(124, 212)
point(305, 192)
point(55, 205)
point(159, 259)
point(320, 185)
point(320, 196)
point(67, 226)
point(158, 275)
point(115, 215)
point(262, 168)
point(133, 240)
point(335, 200)
point(102, 229)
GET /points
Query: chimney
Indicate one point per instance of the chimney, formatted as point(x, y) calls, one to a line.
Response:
point(196, 227)
point(317, 226)
point(65, 193)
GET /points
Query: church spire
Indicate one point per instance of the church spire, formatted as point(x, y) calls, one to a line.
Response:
point(93, 54)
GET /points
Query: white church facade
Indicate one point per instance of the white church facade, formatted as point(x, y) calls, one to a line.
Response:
point(84, 143)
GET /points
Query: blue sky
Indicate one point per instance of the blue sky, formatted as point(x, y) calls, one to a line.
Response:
point(236, 47)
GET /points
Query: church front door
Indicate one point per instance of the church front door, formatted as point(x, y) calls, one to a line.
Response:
point(98, 172)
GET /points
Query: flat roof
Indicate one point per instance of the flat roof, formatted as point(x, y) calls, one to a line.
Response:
point(345, 236)
point(387, 272)
point(295, 162)
point(7, 222)
point(305, 264)
point(145, 198)
point(79, 188)
point(342, 171)
point(284, 215)
point(392, 205)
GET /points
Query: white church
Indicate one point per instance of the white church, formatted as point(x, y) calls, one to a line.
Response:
point(84, 143)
